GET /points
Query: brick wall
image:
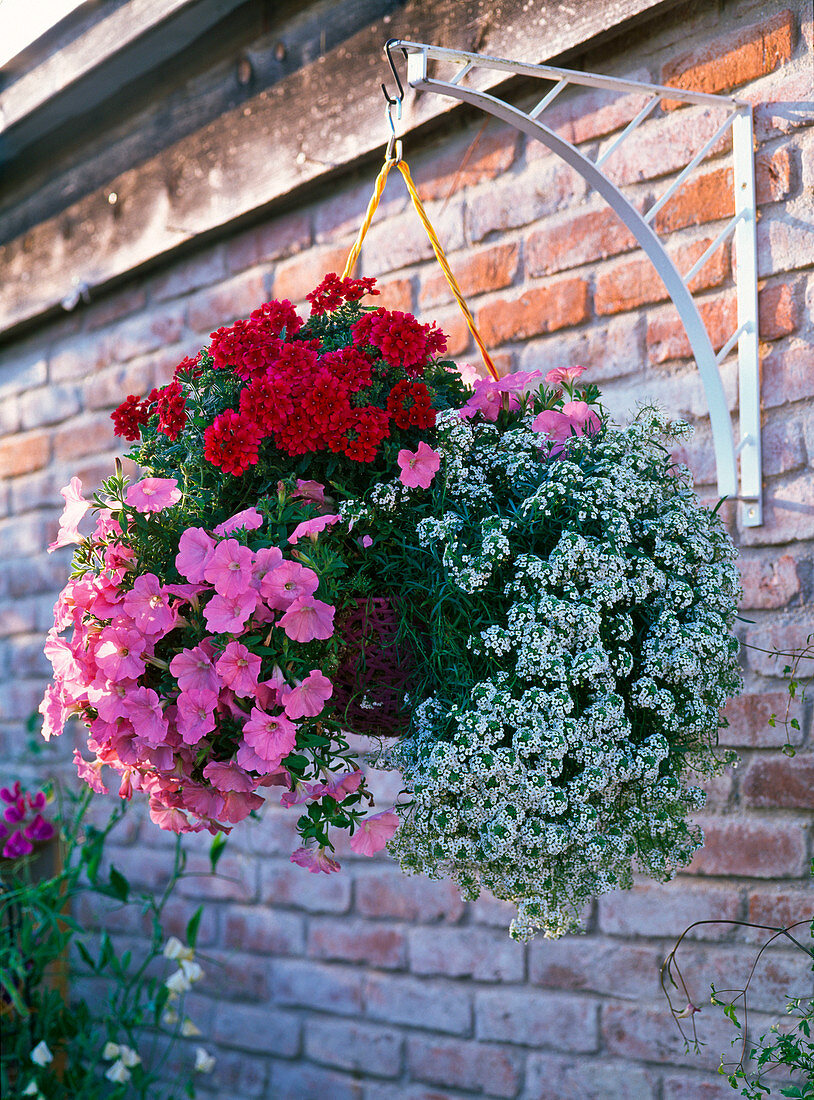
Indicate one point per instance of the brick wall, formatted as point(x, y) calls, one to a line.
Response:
point(374, 986)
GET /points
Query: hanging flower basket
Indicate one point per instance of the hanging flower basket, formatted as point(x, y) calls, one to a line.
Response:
point(525, 605)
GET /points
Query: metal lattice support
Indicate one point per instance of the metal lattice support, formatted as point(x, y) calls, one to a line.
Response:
point(741, 227)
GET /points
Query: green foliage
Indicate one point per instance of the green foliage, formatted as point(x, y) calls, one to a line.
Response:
point(41, 917)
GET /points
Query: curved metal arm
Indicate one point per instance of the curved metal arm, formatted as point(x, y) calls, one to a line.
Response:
point(676, 285)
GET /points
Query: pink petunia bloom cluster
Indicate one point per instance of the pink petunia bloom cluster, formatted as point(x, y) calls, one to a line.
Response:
point(167, 676)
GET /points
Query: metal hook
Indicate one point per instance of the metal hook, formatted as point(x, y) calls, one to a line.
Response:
point(393, 145)
point(388, 49)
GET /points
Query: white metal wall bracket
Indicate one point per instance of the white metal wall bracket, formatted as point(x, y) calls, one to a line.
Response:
point(741, 227)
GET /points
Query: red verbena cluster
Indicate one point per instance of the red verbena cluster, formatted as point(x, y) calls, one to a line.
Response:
point(298, 394)
point(332, 292)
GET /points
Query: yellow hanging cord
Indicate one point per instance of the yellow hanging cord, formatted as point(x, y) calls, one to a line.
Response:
point(381, 179)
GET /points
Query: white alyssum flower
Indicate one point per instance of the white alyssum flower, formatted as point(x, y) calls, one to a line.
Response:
point(599, 598)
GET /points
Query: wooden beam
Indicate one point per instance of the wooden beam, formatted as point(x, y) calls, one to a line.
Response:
point(126, 43)
point(22, 23)
point(316, 122)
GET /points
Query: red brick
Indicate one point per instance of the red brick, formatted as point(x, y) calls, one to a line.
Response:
point(781, 908)
point(236, 878)
point(235, 1074)
point(470, 952)
point(640, 1033)
point(297, 277)
point(222, 304)
point(695, 1086)
point(768, 584)
point(22, 454)
point(787, 375)
point(91, 434)
point(110, 387)
point(706, 198)
point(749, 716)
point(114, 306)
point(650, 909)
point(780, 104)
point(454, 327)
point(750, 848)
point(784, 639)
point(267, 931)
point(312, 985)
point(406, 897)
point(341, 215)
point(494, 1070)
point(583, 114)
point(778, 311)
point(666, 145)
point(783, 447)
point(393, 294)
point(476, 272)
point(667, 338)
point(554, 1077)
point(780, 972)
point(523, 1016)
point(283, 237)
point(350, 1045)
point(345, 940)
point(735, 59)
point(146, 332)
point(787, 513)
point(258, 1029)
point(466, 163)
point(202, 269)
point(297, 1081)
point(436, 1006)
point(284, 884)
point(546, 186)
point(635, 282)
point(579, 239)
point(82, 357)
point(540, 309)
point(577, 965)
point(610, 350)
point(773, 172)
point(779, 782)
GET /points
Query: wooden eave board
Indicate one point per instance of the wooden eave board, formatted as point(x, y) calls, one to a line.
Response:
point(321, 120)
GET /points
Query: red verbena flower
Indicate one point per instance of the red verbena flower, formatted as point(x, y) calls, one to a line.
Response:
point(189, 367)
point(279, 318)
point(367, 428)
point(351, 366)
point(401, 339)
point(130, 415)
point(231, 442)
point(268, 402)
point(172, 413)
point(410, 405)
point(333, 291)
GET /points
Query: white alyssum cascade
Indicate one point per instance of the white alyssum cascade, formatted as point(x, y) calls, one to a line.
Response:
point(593, 597)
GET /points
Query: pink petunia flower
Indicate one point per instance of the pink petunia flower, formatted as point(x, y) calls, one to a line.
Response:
point(488, 399)
point(266, 560)
point(271, 736)
point(564, 375)
point(145, 713)
point(196, 714)
point(169, 817)
point(54, 713)
point(89, 771)
point(419, 467)
point(237, 805)
point(228, 777)
point(315, 859)
point(287, 582)
point(247, 520)
point(374, 832)
point(229, 616)
point(119, 653)
point(583, 415)
point(239, 669)
point(193, 669)
point(577, 418)
point(195, 548)
point(310, 490)
point(308, 698)
point(230, 568)
point(75, 508)
point(310, 528)
point(153, 494)
point(308, 619)
point(341, 786)
point(149, 607)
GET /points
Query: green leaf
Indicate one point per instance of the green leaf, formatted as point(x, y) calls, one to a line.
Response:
point(87, 958)
point(194, 923)
point(216, 849)
point(119, 884)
